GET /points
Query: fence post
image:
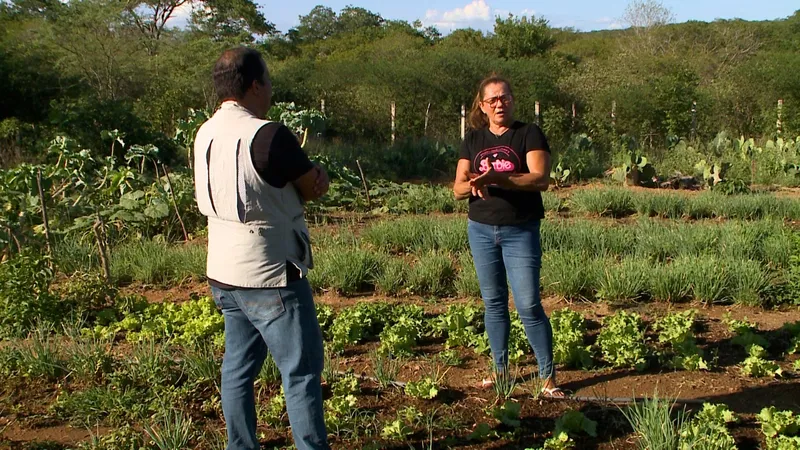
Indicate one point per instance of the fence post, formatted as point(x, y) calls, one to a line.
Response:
point(45, 221)
point(393, 122)
point(694, 118)
point(463, 121)
point(574, 115)
point(322, 106)
point(780, 113)
point(536, 112)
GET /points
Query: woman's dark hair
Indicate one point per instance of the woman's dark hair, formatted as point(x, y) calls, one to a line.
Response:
point(477, 119)
point(236, 70)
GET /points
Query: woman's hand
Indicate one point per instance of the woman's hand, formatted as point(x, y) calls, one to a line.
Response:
point(480, 183)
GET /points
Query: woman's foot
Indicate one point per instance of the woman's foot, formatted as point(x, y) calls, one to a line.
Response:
point(550, 390)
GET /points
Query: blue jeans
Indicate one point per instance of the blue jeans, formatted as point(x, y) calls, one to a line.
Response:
point(515, 251)
point(283, 321)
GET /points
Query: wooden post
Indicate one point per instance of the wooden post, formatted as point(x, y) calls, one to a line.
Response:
point(393, 122)
point(574, 115)
point(175, 203)
point(536, 112)
point(44, 211)
point(427, 113)
point(99, 233)
point(463, 121)
point(366, 186)
point(694, 118)
point(780, 113)
point(322, 106)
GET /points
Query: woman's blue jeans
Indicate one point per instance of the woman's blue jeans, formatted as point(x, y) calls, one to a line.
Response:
point(283, 321)
point(513, 253)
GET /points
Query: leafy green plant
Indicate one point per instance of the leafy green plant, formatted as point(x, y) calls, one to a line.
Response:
point(756, 366)
point(780, 427)
point(707, 430)
point(559, 441)
point(508, 413)
point(676, 330)
point(569, 328)
point(25, 296)
point(450, 358)
point(427, 388)
point(460, 323)
point(622, 341)
point(274, 412)
point(574, 422)
point(399, 337)
point(357, 323)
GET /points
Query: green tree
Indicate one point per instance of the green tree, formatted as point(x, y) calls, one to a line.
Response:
point(522, 37)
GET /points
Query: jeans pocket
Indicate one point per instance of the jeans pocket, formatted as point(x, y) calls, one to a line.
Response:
point(216, 295)
point(262, 304)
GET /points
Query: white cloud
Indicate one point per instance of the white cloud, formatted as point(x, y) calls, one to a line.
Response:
point(474, 13)
point(180, 17)
point(609, 23)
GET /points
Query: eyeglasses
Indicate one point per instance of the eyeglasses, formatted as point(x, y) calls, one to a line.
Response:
point(506, 99)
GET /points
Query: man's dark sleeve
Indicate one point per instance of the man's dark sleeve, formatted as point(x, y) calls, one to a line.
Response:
point(277, 155)
point(535, 139)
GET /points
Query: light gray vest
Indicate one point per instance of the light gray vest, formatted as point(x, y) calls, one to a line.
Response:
point(253, 228)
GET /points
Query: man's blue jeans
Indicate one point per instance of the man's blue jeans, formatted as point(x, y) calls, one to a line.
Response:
point(514, 250)
point(283, 321)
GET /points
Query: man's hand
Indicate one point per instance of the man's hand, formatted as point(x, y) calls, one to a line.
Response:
point(322, 182)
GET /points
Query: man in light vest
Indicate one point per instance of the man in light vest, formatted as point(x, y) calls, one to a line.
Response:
point(251, 181)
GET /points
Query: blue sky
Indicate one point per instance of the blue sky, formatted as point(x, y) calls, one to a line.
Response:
point(581, 14)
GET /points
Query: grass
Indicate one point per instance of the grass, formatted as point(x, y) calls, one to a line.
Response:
point(653, 424)
point(269, 372)
point(157, 263)
point(385, 368)
point(102, 405)
point(569, 274)
point(625, 281)
point(466, 283)
point(40, 356)
point(392, 280)
point(345, 270)
point(433, 274)
point(201, 365)
point(621, 202)
point(611, 202)
point(171, 431)
point(670, 283)
point(417, 234)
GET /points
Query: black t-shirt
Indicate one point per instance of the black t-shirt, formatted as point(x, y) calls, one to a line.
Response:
point(279, 160)
point(507, 153)
point(277, 156)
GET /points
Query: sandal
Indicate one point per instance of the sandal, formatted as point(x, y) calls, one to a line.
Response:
point(553, 392)
point(486, 383)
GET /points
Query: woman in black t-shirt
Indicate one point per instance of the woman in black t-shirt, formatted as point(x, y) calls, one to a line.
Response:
point(503, 167)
